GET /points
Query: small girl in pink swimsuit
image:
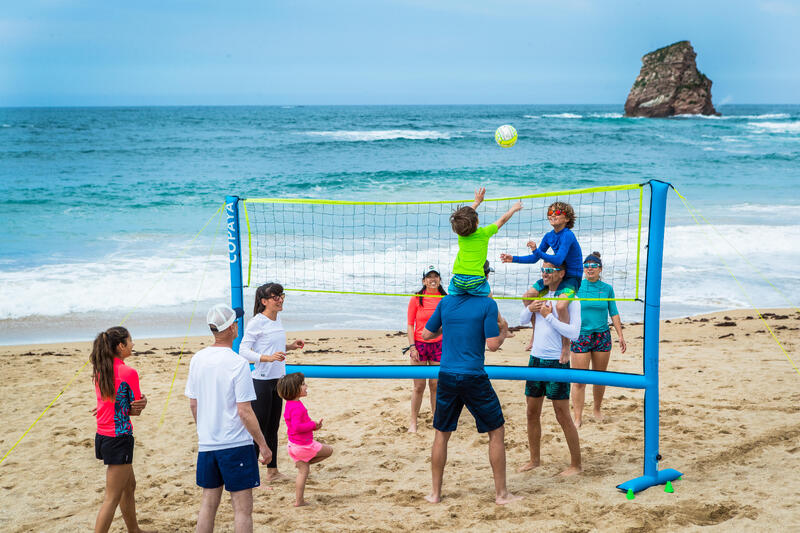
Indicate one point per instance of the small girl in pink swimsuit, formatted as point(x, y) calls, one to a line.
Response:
point(302, 447)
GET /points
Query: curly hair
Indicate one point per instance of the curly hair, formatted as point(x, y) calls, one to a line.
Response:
point(568, 212)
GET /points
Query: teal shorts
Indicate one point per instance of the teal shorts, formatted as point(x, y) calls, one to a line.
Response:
point(554, 390)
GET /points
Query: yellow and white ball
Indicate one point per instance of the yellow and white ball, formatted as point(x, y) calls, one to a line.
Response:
point(506, 136)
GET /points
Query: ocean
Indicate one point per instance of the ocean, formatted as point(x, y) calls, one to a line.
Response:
point(101, 206)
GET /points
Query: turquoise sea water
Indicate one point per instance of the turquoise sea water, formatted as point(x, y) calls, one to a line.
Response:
point(98, 202)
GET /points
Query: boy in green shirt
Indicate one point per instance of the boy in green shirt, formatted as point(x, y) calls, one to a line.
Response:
point(473, 246)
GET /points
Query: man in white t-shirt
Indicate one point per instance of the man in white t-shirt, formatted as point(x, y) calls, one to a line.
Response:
point(220, 390)
point(546, 352)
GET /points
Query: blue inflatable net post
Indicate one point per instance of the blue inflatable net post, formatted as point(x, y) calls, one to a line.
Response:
point(647, 381)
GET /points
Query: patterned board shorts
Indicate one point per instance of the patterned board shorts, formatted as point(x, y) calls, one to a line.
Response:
point(429, 351)
point(593, 342)
point(554, 390)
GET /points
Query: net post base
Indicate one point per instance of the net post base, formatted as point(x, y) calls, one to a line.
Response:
point(645, 482)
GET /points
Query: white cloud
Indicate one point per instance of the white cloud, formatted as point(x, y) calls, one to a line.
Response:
point(776, 7)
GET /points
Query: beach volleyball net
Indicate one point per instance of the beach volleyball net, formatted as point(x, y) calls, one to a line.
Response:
point(382, 248)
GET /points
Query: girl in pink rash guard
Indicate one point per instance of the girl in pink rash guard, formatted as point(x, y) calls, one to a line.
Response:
point(116, 386)
point(302, 448)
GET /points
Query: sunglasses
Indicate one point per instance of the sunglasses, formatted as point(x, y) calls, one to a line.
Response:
point(591, 265)
point(279, 297)
point(549, 270)
point(556, 212)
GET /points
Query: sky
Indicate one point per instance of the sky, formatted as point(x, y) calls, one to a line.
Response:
point(277, 52)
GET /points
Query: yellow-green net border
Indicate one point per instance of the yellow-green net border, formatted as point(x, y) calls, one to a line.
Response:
point(568, 192)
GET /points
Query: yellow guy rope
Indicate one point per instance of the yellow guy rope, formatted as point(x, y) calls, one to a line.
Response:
point(169, 268)
point(189, 327)
point(692, 212)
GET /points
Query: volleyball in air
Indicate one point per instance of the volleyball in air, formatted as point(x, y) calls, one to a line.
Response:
point(506, 136)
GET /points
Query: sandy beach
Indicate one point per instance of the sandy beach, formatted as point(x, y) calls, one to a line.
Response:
point(730, 421)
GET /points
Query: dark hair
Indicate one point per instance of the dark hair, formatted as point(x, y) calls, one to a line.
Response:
point(422, 290)
point(103, 352)
point(464, 221)
point(267, 290)
point(289, 385)
point(569, 212)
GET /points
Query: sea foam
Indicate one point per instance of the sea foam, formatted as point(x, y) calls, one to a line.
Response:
point(380, 135)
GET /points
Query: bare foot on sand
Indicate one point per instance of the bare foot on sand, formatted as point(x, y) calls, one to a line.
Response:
point(598, 415)
point(433, 498)
point(578, 422)
point(530, 465)
point(571, 471)
point(507, 498)
point(276, 476)
point(301, 503)
point(412, 428)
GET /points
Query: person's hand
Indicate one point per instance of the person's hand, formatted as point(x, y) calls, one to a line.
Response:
point(94, 411)
point(319, 424)
point(517, 206)
point(536, 306)
point(545, 309)
point(622, 345)
point(564, 357)
point(531, 245)
point(137, 406)
point(506, 258)
point(264, 455)
point(480, 192)
point(413, 354)
point(277, 356)
point(296, 345)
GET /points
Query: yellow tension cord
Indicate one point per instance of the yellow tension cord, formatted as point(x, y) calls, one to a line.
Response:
point(741, 286)
point(169, 268)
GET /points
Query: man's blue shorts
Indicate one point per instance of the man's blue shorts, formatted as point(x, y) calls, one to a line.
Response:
point(454, 391)
point(236, 467)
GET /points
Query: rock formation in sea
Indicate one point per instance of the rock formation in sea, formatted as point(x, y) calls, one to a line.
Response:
point(670, 84)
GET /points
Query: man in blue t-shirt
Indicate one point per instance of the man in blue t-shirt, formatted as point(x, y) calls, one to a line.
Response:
point(468, 324)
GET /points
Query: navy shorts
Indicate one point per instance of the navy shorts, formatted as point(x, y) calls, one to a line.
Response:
point(454, 391)
point(554, 390)
point(236, 467)
point(114, 450)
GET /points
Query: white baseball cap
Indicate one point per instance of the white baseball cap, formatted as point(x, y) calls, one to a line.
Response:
point(221, 316)
point(428, 269)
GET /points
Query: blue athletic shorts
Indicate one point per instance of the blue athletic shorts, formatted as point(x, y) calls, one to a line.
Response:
point(236, 467)
point(466, 284)
point(454, 391)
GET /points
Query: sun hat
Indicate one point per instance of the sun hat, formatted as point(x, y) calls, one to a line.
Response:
point(221, 316)
point(430, 268)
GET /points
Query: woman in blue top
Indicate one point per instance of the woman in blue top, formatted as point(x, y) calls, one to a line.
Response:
point(594, 343)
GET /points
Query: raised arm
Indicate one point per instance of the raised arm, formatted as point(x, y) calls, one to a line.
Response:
point(508, 214)
point(480, 192)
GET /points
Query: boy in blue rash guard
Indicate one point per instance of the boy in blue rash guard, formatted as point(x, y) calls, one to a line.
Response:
point(566, 252)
